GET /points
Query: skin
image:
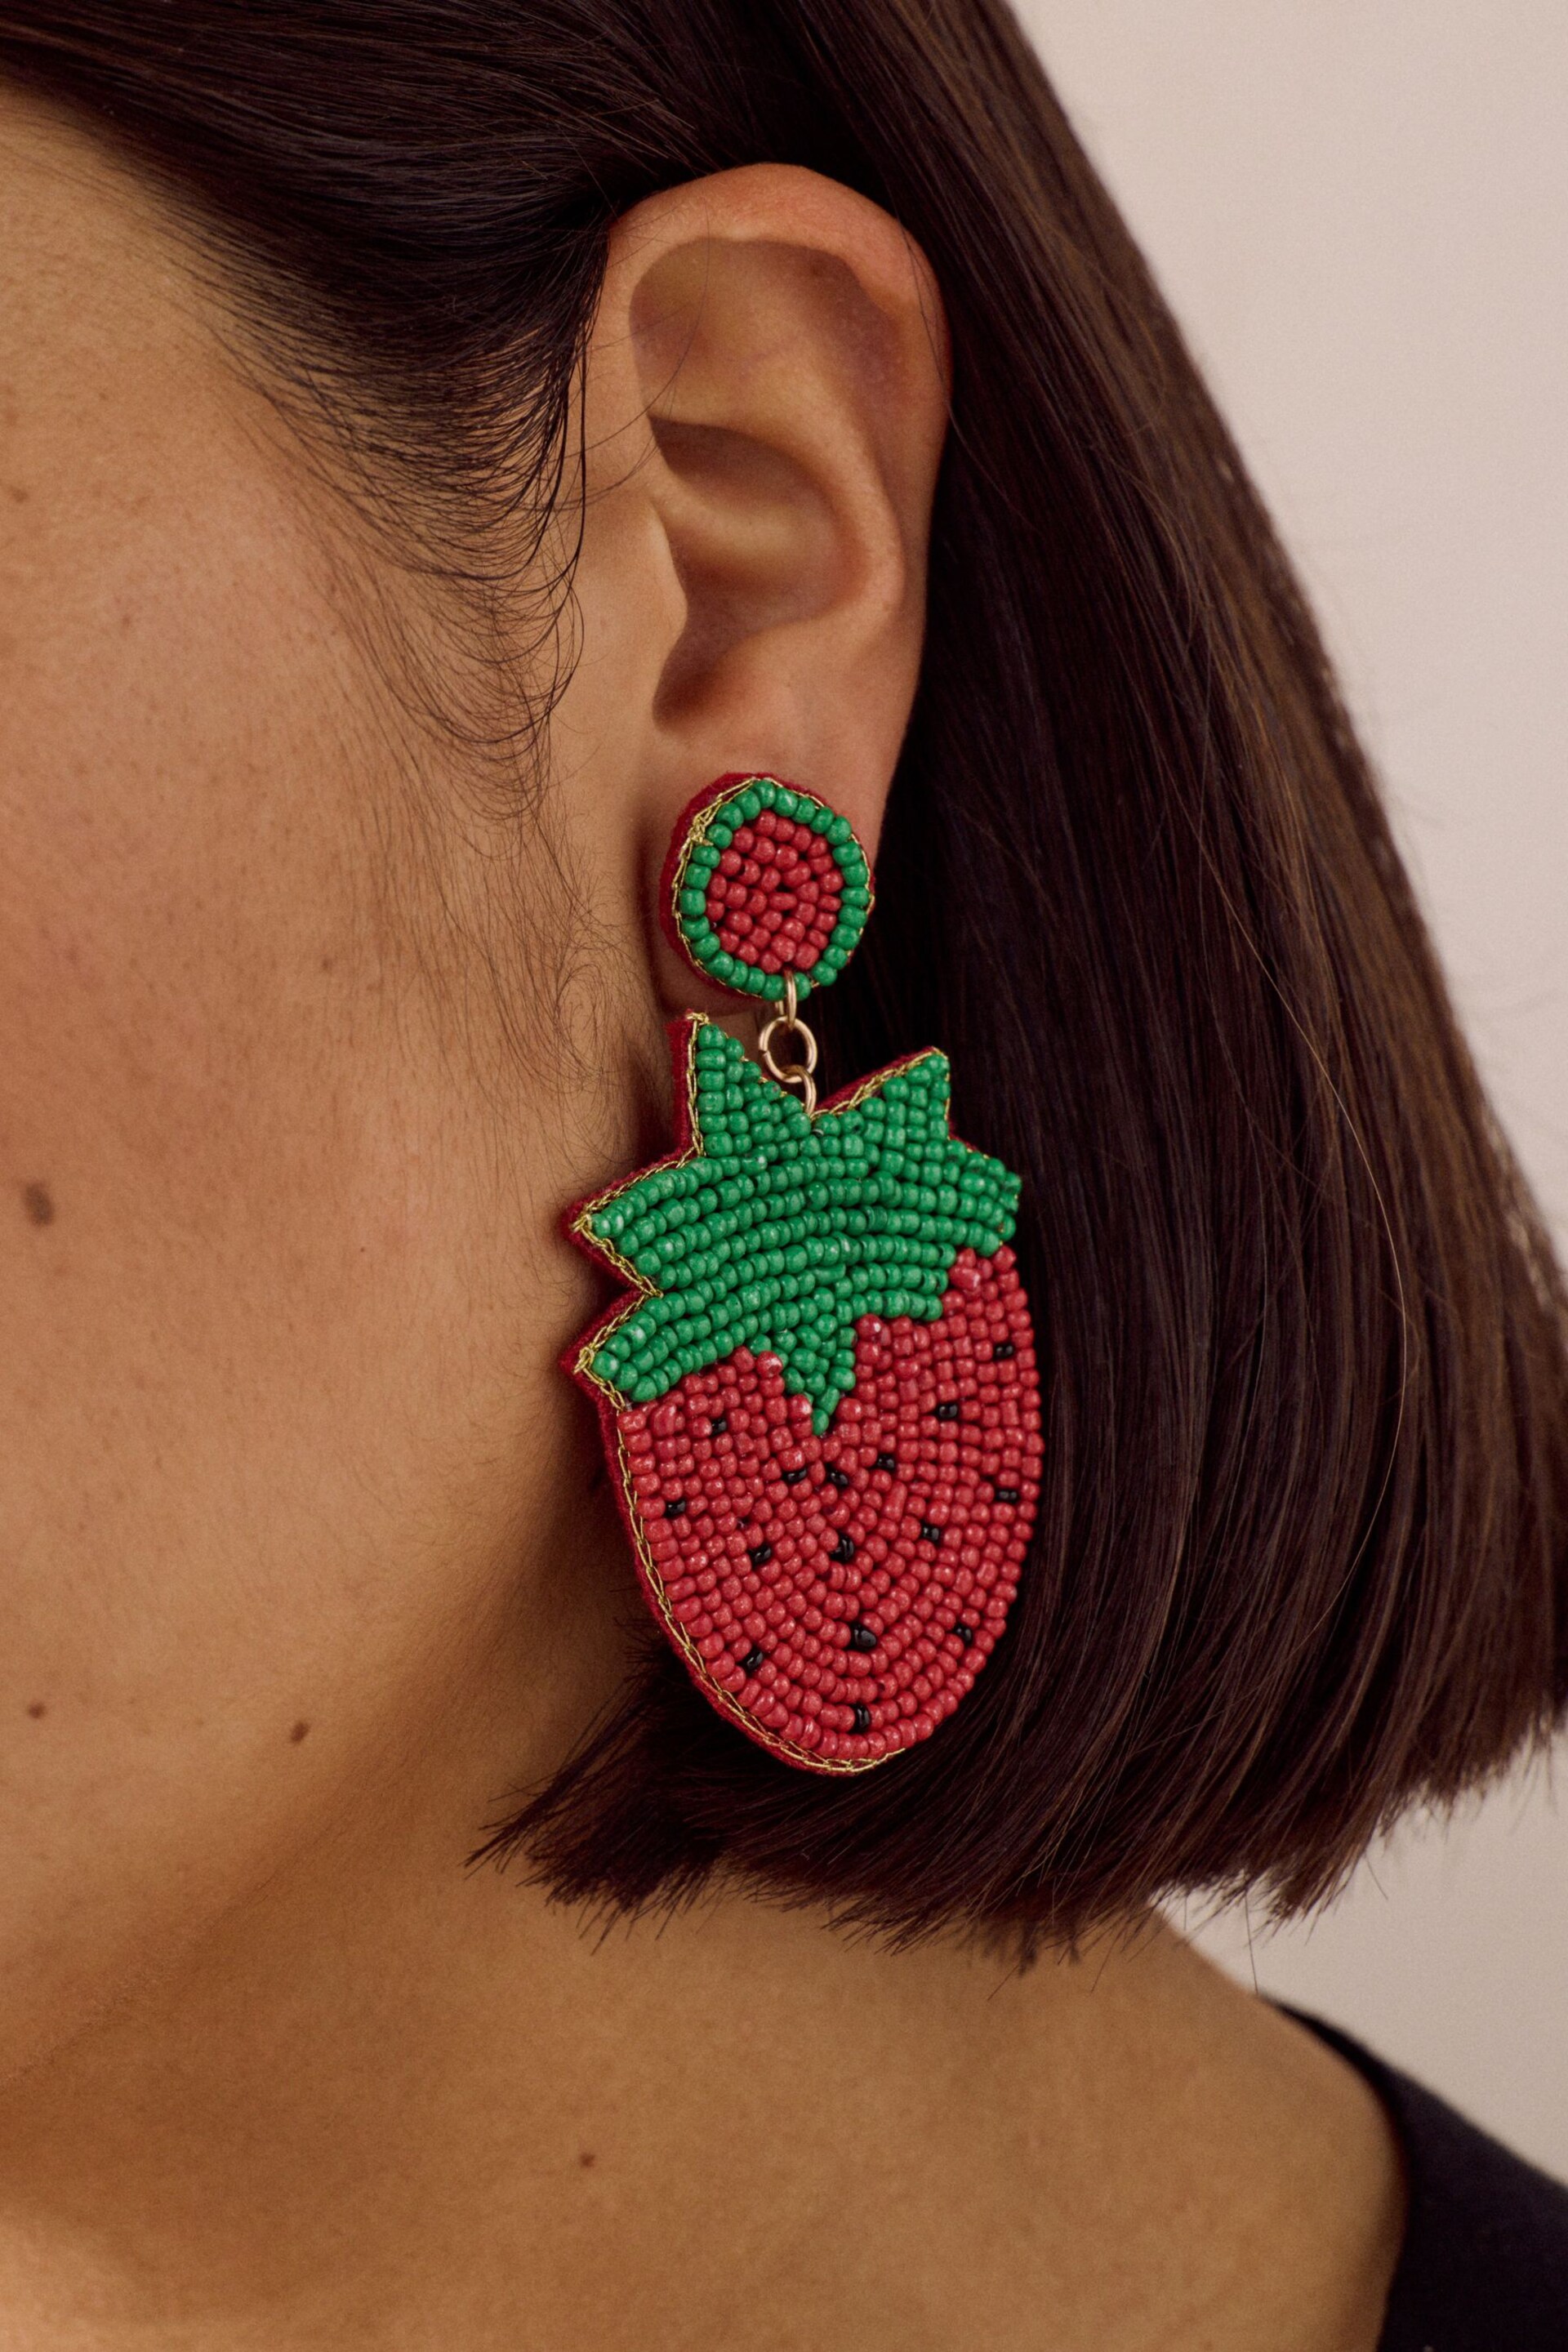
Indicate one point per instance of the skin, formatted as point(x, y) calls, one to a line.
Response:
point(307, 1033)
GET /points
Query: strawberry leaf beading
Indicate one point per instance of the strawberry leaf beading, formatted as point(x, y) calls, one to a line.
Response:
point(778, 1231)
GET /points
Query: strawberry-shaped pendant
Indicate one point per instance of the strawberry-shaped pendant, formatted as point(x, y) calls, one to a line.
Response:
point(818, 1393)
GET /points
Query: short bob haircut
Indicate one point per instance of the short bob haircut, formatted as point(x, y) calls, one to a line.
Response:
point(1300, 1554)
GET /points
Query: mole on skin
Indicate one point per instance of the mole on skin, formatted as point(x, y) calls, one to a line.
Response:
point(36, 1709)
point(298, 1733)
point(38, 1202)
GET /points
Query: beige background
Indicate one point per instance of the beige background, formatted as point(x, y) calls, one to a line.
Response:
point(1360, 211)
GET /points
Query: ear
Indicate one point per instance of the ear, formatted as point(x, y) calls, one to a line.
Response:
point(765, 399)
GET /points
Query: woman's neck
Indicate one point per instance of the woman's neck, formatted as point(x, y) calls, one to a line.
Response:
point(387, 2104)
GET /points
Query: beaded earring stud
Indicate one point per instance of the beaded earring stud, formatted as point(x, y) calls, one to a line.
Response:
point(818, 1390)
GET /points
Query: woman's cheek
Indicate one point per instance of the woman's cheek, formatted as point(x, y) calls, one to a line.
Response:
point(221, 1292)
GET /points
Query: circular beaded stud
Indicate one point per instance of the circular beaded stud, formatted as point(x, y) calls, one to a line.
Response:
point(763, 883)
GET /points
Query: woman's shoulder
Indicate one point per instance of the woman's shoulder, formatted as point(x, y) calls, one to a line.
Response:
point(1484, 2262)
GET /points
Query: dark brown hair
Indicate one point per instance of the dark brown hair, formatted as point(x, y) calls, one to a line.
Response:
point(1299, 1556)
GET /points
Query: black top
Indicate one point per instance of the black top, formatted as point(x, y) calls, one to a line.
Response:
point(1484, 2262)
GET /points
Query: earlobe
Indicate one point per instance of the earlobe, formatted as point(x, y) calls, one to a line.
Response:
point(767, 400)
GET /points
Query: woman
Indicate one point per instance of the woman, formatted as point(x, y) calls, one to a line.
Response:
point(441, 436)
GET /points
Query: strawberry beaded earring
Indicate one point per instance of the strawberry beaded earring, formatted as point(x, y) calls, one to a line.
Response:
point(818, 1393)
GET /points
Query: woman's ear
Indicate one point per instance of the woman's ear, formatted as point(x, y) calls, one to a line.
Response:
point(765, 400)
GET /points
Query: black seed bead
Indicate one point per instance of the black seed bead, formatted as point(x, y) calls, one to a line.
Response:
point(964, 1632)
point(837, 1477)
point(760, 1555)
point(948, 1409)
point(1001, 1351)
point(793, 1478)
point(929, 1534)
point(675, 1507)
point(1005, 1493)
point(862, 1718)
point(862, 1638)
point(844, 1549)
point(887, 1462)
point(754, 1659)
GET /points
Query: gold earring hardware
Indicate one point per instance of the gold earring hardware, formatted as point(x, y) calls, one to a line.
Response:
point(786, 1019)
